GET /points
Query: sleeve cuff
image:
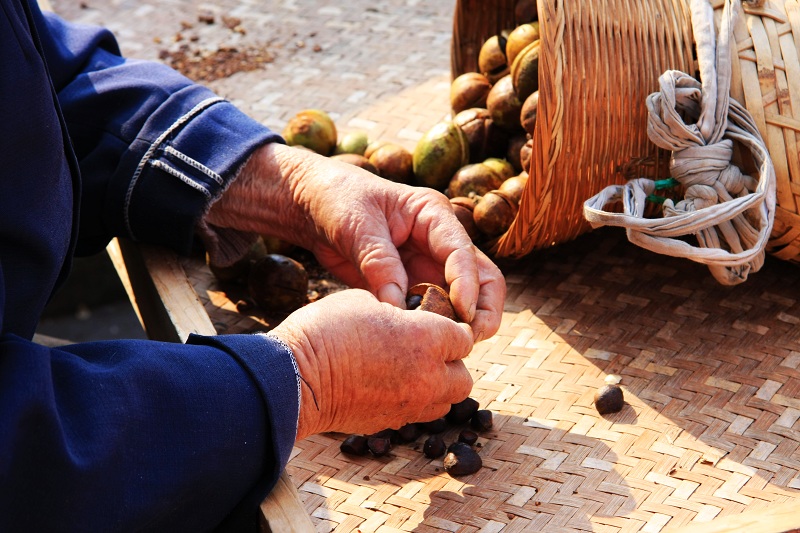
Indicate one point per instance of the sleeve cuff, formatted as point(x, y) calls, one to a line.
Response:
point(187, 166)
point(272, 365)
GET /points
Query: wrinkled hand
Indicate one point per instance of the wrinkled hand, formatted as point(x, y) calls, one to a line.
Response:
point(372, 365)
point(370, 233)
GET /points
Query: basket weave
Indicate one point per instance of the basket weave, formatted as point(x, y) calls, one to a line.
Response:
point(599, 60)
point(711, 429)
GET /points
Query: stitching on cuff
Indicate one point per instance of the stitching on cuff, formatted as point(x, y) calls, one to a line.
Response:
point(149, 154)
point(194, 164)
point(290, 353)
point(181, 176)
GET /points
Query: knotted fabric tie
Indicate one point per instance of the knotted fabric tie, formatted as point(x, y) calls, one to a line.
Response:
point(729, 212)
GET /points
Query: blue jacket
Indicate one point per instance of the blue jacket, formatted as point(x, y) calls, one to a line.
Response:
point(121, 435)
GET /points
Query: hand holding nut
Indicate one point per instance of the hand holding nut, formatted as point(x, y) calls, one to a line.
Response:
point(372, 365)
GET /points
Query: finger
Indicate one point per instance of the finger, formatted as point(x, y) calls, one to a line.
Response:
point(382, 268)
point(461, 273)
point(491, 299)
point(458, 383)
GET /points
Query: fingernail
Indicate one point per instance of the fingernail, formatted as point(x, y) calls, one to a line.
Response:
point(479, 338)
point(392, 294)
point(472, 310)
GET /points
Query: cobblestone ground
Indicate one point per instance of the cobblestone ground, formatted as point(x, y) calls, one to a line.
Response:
point(380, 67)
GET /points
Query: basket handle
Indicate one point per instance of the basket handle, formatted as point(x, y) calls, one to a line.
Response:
point(730, 213)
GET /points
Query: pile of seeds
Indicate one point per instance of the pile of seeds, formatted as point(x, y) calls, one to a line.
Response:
point(460, 457)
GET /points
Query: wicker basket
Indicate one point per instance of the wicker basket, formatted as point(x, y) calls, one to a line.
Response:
point(599, 60)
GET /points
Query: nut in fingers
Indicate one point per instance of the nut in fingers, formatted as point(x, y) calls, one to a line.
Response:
point(432, 298)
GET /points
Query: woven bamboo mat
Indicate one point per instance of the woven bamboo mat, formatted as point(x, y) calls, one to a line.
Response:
point(710, 428)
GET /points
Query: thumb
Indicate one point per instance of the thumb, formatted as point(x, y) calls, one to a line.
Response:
point(382, 269)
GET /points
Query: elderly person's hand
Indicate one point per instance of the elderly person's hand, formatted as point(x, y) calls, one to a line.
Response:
point(372, 365)
point(369, 232)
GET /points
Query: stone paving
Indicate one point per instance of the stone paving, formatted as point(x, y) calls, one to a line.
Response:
point(380, 67)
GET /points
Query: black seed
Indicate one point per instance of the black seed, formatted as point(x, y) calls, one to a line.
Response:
point(462, 411)
point(409, 433)
point(461, 460)
point(609, 399)
point(434, 447)
point(482, 420)
point(389, 433)
point(379, 446)
point(435, 426)
point(354, 445)
point(413, 301)
point(468, 437)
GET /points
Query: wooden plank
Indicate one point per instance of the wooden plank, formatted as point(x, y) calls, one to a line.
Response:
point(170, 310)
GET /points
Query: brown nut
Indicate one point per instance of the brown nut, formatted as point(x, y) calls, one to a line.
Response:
point(529, 112)
point(278, 283)
point(469, 90)
point(525, 71)
point(525, 155)
point(504, 104)
point(476, 178)
point(494, 213)
point(433, 299)
point(519, 38)
point(514, 187)
point(484, 137)
point(435, 426)
point(492, 61)
point(609, 399)
point(468, 437)
point(379, 446)
point(514, 154)
point(357, 160)
point(464, 215)
point(409, 432)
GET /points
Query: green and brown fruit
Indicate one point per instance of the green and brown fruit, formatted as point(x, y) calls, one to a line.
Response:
point(438, 154)
point(313, 129)
point(525, 71)
point(393, 162)
point(474, 179)
point(485, 138)
point(502, 166)
point(354, 142)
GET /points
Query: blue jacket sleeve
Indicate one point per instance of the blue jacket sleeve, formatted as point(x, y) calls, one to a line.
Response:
point(123, 435)
point(154, 148)
point(143, 436)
